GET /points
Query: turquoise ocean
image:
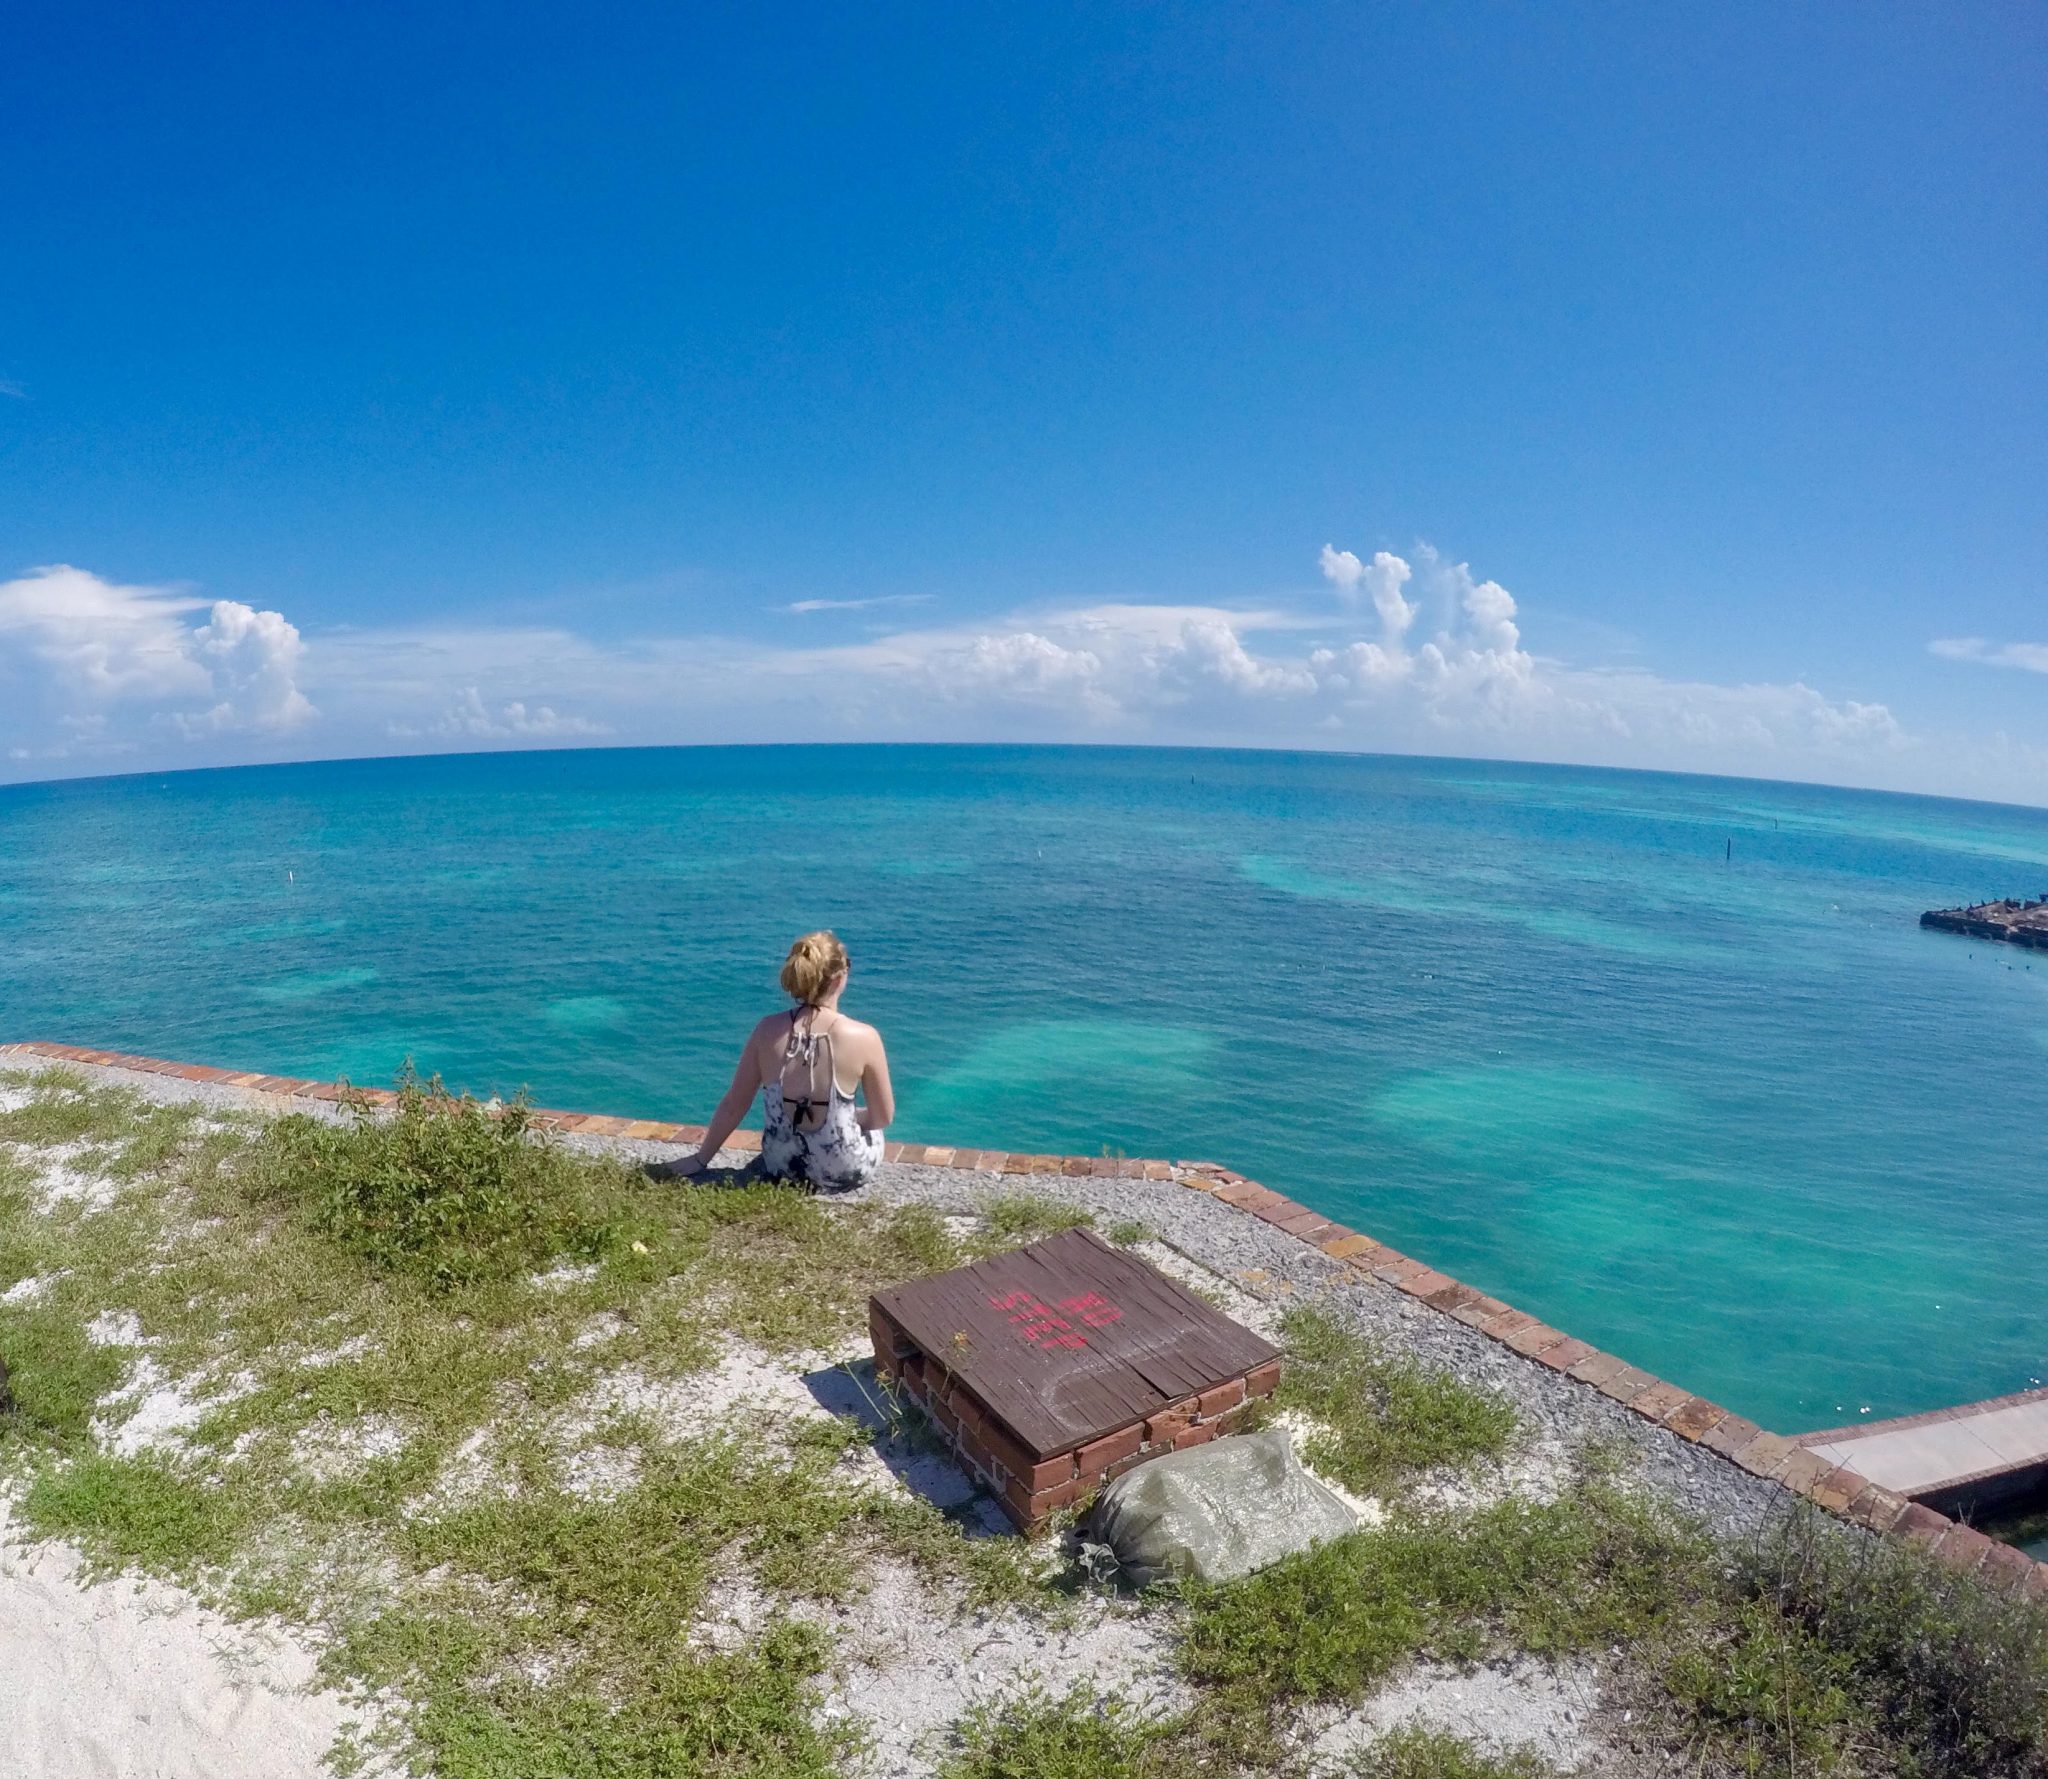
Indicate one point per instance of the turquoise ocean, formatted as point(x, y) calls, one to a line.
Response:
point(1663, 1060)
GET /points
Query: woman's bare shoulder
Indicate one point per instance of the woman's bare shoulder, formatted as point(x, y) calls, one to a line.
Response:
point(859, 1029)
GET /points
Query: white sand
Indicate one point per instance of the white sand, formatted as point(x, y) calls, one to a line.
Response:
point(135, 1680)
point(1525, 1703)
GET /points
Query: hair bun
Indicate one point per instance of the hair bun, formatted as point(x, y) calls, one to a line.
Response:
point(815, 962)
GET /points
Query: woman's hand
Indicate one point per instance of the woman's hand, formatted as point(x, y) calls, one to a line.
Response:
point(682, 1168)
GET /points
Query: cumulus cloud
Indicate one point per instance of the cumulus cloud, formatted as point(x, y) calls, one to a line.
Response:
point(94, 660)
point(254, 658)
point(511, 721)
point(2031, 656)
point(1413, 653)
point(1382, 579)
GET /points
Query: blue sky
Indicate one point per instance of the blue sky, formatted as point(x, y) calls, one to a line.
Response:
point(394, 379)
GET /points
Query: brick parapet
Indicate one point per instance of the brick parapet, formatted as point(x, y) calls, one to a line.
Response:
point(1773, 1457)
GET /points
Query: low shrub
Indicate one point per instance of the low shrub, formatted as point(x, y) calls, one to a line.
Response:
point(1591, 1569)
point(1952, 1672)
point(1383, 1416)
point(444, 1189)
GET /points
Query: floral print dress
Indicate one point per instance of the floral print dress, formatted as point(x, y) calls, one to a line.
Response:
point(811, 1129)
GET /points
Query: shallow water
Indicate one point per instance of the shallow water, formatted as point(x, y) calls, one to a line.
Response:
point(1738, 1120)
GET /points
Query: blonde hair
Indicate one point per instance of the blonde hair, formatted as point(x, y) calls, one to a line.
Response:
point(815, 962)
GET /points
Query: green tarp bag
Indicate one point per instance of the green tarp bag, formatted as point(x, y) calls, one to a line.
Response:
point(1217, 1512)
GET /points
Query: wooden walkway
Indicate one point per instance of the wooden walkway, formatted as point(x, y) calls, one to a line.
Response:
point(1981, 1450)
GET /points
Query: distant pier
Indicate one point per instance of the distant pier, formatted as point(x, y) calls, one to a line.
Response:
point(1953, 1459)
point(2012, 923)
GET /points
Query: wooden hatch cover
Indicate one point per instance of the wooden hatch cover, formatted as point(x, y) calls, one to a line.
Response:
point(1070, 1339)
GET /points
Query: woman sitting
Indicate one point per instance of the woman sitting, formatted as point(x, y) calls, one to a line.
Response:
point(808, 1064)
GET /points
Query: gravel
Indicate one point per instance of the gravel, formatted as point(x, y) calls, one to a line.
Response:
point(906, 1674)
point(1560, 1413)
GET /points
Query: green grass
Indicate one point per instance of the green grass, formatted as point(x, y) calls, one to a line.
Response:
point(1013, 1217)
point(141, 1511)
point(1589, 1570)
point(1076, 1734)
point(1128, 1234)
point(463, 1293)
point(1380, 1417)
point(431, 1276)
point(55, 1374)
point(125, 1134)
point(1432, 1754)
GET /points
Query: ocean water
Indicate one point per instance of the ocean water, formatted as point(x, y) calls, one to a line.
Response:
point(1663, 1060)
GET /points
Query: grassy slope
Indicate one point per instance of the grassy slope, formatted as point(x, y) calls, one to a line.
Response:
point(448, 1294)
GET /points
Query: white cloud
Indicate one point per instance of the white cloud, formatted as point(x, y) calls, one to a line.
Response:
point(1383, 578)
point(856, 605)
point(513, 720)
point(97, 663)
point(2032, 656)
point(1417, 654)
point(254, 658)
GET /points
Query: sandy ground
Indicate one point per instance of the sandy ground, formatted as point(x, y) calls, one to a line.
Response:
point(122, 1680)
point(131, 1680)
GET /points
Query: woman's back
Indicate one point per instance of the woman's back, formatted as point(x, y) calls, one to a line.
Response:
point(823, 1077)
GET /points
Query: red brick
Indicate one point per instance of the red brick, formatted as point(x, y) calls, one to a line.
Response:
point(1730, 1436)
point(1263, 1380)
point(1923, 1525)
point(1013, 1460)
point(1394, 1268)
point(1507, 1320)
point(1161, 1428)
point(1028, 1508)
point(1838, 1488)
point(1626, 1384)
point(1965, 1549)
point(1800, 1470)
point(1535, 1340)
point(1349, 1247)
point(1425, 1283)
point(1597, 1368)
point(1660, 1400)
point(1452, 1298)
point(1224, 1396)
point(1878, 1508)
point(1199, 1434)
point(1695, 1418)
point(1480, 1311)
point(1762, 1453)
point(1109, 1448)
point(1308, 1226)
point(1567, 1353)
point(2007, 1567)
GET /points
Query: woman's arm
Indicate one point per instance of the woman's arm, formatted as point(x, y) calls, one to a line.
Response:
point(746, 1082)
point(880, 1107)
